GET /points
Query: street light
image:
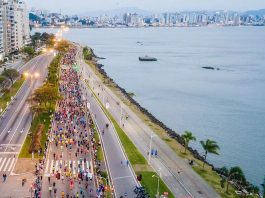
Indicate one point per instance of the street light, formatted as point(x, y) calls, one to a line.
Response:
point(150, 148)
point(31, 76)
point(158, 179)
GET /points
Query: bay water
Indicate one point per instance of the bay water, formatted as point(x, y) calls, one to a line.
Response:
point(225, 105)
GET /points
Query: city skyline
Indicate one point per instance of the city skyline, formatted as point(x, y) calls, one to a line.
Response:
point(80, 6)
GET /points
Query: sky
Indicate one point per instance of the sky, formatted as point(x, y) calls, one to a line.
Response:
point(81, 6)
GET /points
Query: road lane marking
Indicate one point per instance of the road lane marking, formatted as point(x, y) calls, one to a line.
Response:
point(7, 164)
point(51, 166)
point(56, 165)
point(116, 178)
point(12, 164)
point(87, 165)
point(83, 165)
point(73, 167)
point(2, 164)
point(92, 171)
point(8, 153)
point(18, 126)
point(47, 166)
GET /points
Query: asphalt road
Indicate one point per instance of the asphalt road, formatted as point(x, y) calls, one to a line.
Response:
point(175, 172)
point(16, 121)
point(122, 176)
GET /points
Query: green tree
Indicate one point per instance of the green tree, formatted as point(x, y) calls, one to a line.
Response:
point(3, 82)
point(187, 137)
point(11, 74)
point(29, 51)
point(48, 93)
point(234, 173)
point(62, 46)
point(209, 146)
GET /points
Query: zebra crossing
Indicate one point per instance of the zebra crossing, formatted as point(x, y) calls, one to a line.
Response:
point(71, 164)
point(7, 163)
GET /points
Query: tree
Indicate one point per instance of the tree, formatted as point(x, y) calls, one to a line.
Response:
point(29, 50)
point(3, 82)
point(234, 173)
point(11, 74)
point(263, 188)
point(62, 46)
point(187, 137)
point(209, 146)
point(48, 93)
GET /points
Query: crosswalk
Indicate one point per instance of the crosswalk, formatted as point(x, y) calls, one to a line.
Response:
point(58, 165)
point(6, 164)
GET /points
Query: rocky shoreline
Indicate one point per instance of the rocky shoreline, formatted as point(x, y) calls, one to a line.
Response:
point(169, 131)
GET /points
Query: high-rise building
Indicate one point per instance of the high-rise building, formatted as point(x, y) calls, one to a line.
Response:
point(2, 54)
point(15, 31)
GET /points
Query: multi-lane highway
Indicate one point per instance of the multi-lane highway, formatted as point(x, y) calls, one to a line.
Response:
point(16, 120)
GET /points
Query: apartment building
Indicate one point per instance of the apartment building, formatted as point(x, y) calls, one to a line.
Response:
point(14, 21)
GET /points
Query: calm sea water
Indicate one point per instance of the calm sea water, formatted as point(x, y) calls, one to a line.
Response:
point(225, 105)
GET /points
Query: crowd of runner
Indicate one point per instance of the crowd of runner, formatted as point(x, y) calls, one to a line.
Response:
point(71, 138)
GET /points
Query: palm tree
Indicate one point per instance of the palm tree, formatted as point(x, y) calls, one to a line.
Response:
point(233, 173)
point(209, 146)
point(263, 188)
point(187, 137)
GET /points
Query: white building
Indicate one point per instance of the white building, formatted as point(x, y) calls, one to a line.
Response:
point(2, 54)
point(14, 22)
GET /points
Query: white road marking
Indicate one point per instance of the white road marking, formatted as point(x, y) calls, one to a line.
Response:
point(87, 165)
point(73, 167)
point(2, 164)
point(51, 166)
point(7, 164)
point(83, 165)
point(92, 171)
point(18, 126)
point(56, 165)
point(12, 164)
point(47, 166)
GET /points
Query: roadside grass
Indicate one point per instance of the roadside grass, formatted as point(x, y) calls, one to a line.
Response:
point(150, 183)
point(42, 118)
point(6, 97)
point(137, 160)
point(210, 176)
point(100, 156)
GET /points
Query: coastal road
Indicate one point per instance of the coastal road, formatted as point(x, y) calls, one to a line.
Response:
point(175, 172)
point(16, 120)
point(122, 176)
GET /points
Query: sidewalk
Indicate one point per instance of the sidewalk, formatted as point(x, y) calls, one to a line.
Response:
point(13, 186)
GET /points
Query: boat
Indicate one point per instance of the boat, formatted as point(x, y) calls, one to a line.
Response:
point(147, 58)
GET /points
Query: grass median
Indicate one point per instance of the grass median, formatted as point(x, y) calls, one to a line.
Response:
point(136, 158)
point(42, 118)
point(6, 97)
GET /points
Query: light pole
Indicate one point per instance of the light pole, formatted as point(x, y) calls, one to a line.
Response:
point(150, 148)
point(31, 76)
point(158, 181)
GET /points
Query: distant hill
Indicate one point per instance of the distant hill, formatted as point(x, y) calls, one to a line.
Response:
point(118, 11)
point(255, 12)
point(34, 17)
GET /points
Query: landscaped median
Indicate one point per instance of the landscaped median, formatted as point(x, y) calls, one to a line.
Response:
point(137, 160)
point(43, 103)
